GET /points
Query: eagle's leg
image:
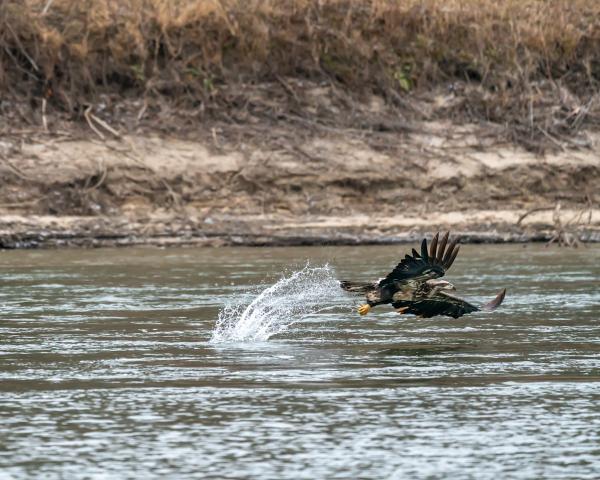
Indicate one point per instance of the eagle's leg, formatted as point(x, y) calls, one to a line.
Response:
point(364, 309)
point(402, 310)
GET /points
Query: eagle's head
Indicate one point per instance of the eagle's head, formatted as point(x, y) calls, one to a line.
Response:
point(441, 284)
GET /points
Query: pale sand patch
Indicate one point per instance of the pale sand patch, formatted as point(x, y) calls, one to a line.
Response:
point(462, 218)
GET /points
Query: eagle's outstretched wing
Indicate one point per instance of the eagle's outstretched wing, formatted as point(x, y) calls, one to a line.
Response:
point(432, 264)
point(445, 304)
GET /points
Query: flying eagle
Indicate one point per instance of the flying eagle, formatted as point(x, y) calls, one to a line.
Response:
point(413, 286)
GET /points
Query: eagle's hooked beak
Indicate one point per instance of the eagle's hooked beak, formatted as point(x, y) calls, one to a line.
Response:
point(364, 309)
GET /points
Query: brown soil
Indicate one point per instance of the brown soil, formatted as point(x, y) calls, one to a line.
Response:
point(288, 180)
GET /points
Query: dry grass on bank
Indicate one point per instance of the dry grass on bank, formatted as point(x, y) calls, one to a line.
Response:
point(533, 64)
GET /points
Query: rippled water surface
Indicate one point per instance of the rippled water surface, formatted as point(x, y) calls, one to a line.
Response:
point(110, 367)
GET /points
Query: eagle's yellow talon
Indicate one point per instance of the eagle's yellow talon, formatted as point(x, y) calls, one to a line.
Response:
point(364, 309)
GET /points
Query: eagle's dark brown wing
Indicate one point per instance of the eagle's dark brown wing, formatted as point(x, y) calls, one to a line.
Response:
point(445, 304)
point(425, 265)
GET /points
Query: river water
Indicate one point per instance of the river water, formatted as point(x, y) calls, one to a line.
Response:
point(111, 367)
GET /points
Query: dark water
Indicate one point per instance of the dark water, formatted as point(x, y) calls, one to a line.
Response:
point(107, 371)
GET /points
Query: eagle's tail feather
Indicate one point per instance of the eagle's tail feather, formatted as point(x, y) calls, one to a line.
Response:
point(495, 303)
point(357, 287)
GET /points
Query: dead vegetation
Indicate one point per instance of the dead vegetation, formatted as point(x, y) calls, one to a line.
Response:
point(569, 231)
point(532, 67)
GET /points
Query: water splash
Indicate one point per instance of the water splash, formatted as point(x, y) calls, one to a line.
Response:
point(274, 309)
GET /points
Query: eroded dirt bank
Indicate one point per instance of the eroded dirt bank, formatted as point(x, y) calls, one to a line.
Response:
point(231, 185)
point(297, 122)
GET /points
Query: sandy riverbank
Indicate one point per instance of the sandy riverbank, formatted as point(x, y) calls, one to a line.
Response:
point(305, 187)
point(308, 122)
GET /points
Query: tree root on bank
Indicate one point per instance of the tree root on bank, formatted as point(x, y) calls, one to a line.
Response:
point(566, 234)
